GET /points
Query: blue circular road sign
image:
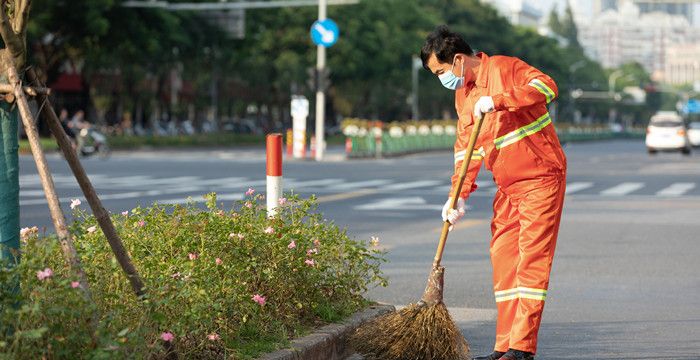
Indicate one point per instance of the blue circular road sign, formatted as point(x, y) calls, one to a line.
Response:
point(324, 32)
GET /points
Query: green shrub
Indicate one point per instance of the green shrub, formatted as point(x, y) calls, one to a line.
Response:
point(225, 284)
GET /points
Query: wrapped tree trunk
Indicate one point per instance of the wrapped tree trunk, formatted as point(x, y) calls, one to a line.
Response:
point(9, 184)
point(13, 17)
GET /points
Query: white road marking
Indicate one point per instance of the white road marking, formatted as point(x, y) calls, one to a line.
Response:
point(400, 204)
point(306, 184)
point(117, 196)
point(359, 184)
point(577, 186)
point(676, 189)
point(622, 189)
point(31, 193)
point(219, 197)
point(411, 185)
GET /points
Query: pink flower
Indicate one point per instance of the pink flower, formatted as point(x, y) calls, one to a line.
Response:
point(232, 235)
point(167, 336)
point(269, 230)
point(317, 243)
point(250, 191)
point(241, 236)
point(311, 252)
point(193, 256)
point(213, 337)
point(259, 299)
point(218, 261)
point(282, 201)
point(44, 274)
point(74, 203)
point(374, 241)
point(74, 284)
point(248, 204)
point(176, 275)
point(26, 232)
point(125, 213)
point(309, 262)
point(92, 229)
point(141, 223)
point(292, 245)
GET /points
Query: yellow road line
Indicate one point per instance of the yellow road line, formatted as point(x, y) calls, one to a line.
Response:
point(463, 224)
point(347, 195)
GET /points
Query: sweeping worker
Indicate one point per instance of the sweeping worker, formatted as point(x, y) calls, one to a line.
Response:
point(518, 144)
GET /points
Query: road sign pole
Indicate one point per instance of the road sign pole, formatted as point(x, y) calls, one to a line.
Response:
point(320, 95)
point(417, 65)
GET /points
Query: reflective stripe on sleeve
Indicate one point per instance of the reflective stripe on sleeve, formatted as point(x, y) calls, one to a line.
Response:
point(476, 155)
point(527, 130)
point(543, 88)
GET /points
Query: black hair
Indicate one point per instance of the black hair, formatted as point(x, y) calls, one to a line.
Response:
point(444, 44)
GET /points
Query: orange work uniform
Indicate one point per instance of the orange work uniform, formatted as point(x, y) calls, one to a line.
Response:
point(519, 145)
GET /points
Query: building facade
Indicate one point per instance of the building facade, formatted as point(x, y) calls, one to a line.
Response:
point(624, 34)
point(518, 12)
point(678, 7)
point(682, 64)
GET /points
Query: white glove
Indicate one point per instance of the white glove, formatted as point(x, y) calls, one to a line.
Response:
point(483, 105)
point(452, 215)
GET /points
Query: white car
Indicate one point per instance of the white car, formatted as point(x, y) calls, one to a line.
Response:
point(694, 133)
point(667, 132)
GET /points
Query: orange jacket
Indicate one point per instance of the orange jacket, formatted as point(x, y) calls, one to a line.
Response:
point(517, 142)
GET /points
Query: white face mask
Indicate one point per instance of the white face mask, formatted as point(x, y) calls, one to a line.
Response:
point(450, 80)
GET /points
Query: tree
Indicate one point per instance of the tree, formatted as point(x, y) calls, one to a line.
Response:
point(13, 21)
point(553, 21)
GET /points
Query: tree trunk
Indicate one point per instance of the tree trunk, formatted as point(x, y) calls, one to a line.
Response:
point(9, 183)
point(13, 33)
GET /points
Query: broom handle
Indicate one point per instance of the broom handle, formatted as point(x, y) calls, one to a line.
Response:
point(458, 189)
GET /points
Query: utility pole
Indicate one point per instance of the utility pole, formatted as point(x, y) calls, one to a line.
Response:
point(320, 95)
point(417, 65)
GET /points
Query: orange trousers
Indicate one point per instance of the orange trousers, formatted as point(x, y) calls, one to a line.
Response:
point(524, 227)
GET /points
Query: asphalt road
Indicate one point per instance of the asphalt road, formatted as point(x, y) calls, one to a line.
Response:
point(626, 277)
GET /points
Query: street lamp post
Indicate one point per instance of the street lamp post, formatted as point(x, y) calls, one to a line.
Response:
point(572, 69)
point(611, 82)
point(320, 96)
point(417, 64)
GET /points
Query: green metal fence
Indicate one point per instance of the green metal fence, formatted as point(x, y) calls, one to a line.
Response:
point(369, 146)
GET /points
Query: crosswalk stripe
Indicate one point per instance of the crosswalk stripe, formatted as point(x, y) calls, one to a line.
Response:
point(577, 186)
point(676, 189)
point(306, 184)
point(411, 185)
point(359, 184)
point(219, 197)
point(622, 189)
point(123, 195)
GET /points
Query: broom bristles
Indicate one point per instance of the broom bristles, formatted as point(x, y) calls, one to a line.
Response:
point(413, 333)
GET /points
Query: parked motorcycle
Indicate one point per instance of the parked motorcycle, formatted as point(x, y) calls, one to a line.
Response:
point(91, 141)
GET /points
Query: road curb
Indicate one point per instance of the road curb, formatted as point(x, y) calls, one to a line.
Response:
point(328, 342)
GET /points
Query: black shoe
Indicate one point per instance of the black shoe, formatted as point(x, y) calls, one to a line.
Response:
point(513, 354)
point(493, 356)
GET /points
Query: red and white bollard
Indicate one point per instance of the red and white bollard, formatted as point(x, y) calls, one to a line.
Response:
point(274, 172)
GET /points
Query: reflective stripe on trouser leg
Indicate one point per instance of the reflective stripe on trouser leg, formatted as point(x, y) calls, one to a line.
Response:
point(540, 213)
point(505, 228)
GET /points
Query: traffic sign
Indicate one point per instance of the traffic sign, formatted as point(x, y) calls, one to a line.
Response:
point(324, 32)
point(692, 106)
